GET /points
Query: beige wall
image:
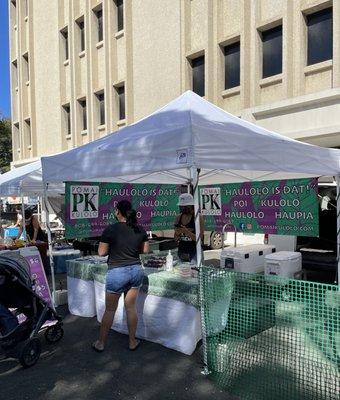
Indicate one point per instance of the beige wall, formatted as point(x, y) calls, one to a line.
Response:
point(151, 57)
point(156, 54)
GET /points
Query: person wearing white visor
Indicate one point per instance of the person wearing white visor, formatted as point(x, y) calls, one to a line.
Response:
point(185, 232)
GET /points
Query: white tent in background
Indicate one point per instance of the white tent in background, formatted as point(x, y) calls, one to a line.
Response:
point(22, 180)
point(26, 181)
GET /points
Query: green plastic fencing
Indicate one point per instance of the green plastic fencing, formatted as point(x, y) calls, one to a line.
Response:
point(271, 338)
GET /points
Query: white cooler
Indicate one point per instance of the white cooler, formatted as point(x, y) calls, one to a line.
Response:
point(283, 263)
point(248, 259)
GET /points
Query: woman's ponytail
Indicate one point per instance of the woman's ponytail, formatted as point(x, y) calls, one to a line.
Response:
point(125, 208)
point(131, 218)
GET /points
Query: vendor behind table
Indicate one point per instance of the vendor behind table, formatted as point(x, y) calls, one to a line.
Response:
point(33, 229)
point(185, 231)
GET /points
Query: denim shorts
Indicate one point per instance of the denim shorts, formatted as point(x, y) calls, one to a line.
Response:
point(121, 279)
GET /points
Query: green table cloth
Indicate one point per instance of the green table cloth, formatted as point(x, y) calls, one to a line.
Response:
point(157, 283)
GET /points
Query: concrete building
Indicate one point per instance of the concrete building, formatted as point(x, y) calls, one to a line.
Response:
point(83, 68)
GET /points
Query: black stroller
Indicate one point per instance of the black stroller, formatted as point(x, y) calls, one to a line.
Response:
point(16, 291)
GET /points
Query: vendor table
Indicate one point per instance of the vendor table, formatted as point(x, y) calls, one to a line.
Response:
point(61, 256)
point(167, 305)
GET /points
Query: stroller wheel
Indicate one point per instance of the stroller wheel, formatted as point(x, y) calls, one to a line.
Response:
point(54, 333)
point(29, 352)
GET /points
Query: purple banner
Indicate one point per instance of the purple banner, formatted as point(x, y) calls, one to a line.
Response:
point(38, 275)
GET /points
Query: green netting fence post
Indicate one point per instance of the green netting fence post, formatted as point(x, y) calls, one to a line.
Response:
point(338, 228)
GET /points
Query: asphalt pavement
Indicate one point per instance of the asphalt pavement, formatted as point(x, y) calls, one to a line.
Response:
point(71, 370)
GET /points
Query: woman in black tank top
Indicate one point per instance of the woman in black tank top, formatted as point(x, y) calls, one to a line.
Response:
point(33, 229)
point(185, 230)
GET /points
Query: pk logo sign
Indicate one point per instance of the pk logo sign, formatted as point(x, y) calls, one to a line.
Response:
point(211, 201)
point(84, 202)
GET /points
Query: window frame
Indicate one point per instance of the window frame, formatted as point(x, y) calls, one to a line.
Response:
point(119, 4)
point(100, 24)
point(65, 41)
point(312, 59)
point(83, 117)
point(234, 43)
point(81, 32)
point(101, 107)
point(67, 118)
point(267, 70)
point(13, 13)
point(25, 6)
point(25, 56)
point(198, 85)
point(28, 127)
point(120, 90)
point(15, 74)
point(16, 138)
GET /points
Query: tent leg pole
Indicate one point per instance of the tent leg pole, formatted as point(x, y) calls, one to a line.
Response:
point(50, 249)
point(195, 179)
point(39, 209)
point(23, 221)
point(337, 278)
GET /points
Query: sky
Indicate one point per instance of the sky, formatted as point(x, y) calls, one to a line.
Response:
point(5, 102)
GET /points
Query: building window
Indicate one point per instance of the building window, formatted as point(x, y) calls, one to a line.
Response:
point(101, 107)
point(64, 37)
point(232, 65)
point(83, 114)
point(272, 52)
point(26, 8)
point(26, 68)
point(120, 14)
point(198, 81)
point(28, 132)
point(67, 118)
point(99, 16)
point(16, 137)
point(121, 101)
point(15, 74)
point(81, 27)
point(13, 10)
point(320, 36)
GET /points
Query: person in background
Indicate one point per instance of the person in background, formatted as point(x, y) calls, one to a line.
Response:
point(33, 229)
point(19, 218)
point(122, 242)
point(185, 231)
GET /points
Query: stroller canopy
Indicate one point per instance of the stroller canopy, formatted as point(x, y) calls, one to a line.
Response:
point(15, 264)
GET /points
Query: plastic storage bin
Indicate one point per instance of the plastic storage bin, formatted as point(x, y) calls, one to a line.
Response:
point(11, 232)
point(248, 259)
point(283, 263)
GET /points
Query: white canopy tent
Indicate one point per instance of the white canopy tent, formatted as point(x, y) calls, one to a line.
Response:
point(191, 132)
point(189, 135)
